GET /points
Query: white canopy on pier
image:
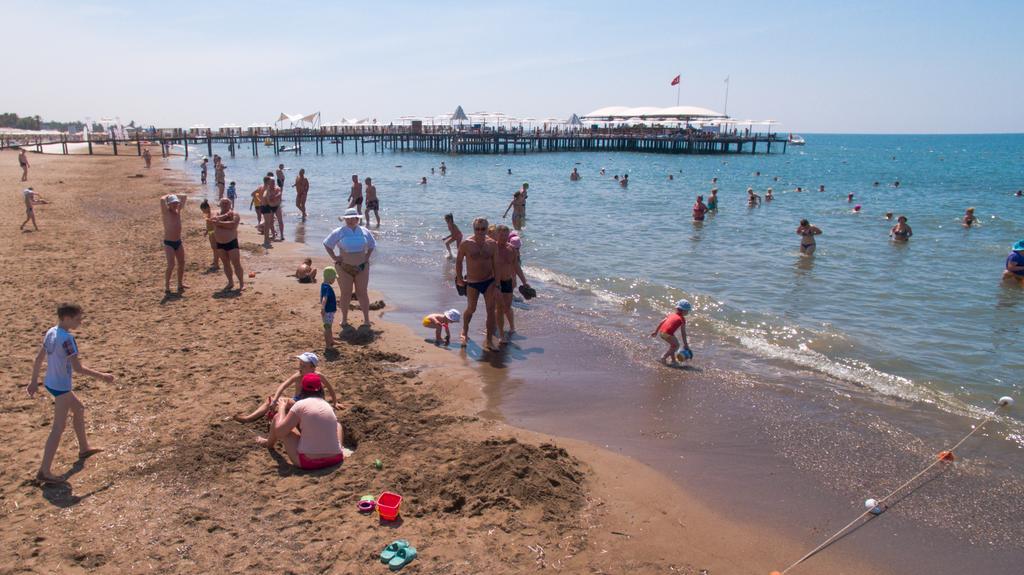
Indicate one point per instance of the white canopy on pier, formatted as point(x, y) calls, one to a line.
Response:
point(672, 113)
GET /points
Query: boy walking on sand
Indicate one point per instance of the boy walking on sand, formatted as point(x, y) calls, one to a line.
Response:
point(328, 305)
point(667, 328)
point(61, 354)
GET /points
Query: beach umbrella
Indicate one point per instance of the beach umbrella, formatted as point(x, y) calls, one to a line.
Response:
point(574, 120)
point(459, 114)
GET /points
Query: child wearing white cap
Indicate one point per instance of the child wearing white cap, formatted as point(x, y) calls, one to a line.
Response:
point(440, 321)
point(308, 361)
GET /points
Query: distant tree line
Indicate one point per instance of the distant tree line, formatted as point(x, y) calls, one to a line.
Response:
point(10, 120)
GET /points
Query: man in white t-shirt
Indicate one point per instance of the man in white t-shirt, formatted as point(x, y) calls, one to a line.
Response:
point(61, 353)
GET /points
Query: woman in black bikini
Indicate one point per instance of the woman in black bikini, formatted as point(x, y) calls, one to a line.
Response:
point(807, 232)
point(901, 232)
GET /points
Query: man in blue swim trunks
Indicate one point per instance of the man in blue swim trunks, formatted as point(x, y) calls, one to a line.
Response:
point(481, 268)
point(61, 353)
point(1015, 263)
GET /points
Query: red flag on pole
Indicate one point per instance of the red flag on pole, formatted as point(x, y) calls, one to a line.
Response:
point(675, 81)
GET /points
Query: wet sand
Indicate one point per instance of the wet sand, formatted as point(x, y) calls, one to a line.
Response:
point(795, 462)
point(182, 488)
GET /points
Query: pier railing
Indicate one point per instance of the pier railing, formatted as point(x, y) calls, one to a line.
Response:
point(437, 139)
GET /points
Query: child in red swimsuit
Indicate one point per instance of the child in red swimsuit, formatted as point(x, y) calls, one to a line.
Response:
point(666, 331)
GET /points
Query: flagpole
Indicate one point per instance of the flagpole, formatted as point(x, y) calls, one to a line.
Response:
point(725, 109)
point(679, 88)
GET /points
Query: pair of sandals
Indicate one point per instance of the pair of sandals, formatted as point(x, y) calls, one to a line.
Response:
point(398, 554)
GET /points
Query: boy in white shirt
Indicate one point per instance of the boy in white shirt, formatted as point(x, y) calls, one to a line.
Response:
point(61, 354)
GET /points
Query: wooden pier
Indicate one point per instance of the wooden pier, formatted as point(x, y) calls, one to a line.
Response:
point(445, 141)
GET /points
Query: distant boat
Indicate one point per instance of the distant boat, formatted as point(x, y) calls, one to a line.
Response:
point(795, 140)
point(290, 149)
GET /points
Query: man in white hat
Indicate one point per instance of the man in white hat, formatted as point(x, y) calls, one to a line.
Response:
point(170, 211)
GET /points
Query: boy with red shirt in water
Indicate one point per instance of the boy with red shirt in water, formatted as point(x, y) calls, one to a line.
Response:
point(667, 328)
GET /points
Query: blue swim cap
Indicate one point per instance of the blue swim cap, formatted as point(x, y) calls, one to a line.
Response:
point(683, 305)
point(1019, 246)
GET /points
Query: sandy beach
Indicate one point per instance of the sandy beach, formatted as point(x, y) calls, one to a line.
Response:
point(182, 488)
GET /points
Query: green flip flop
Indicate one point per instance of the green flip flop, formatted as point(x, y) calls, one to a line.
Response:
point(403, 557)
point(392, 549)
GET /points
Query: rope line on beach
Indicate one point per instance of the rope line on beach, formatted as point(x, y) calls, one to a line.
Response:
point(943, 456)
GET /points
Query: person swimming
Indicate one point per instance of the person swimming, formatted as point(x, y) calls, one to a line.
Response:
point(901, 232)
point(969, 219)
point(807, 232)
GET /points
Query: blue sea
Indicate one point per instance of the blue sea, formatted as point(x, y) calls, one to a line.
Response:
point(929, 320)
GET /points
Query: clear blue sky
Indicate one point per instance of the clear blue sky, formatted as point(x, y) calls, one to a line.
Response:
point(814, 66)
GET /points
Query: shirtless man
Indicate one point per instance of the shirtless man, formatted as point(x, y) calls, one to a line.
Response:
point(478, 253)
point(372, 203)
point(225, 238)
point(23, 162)
point(301, 186)
point(355, 197)
point(271, 207)
point(170, 211)
point(506, 264)
point(280, 176)
point(218, 177)
point(274, 201)
point(444, 169)
point(147, 158)
point(624, 181)
point(31, 199)
point(575, 175)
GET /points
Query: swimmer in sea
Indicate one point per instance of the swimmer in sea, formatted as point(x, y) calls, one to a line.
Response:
point(888, 215)
point(753, 200)
point(849, 197)
point(969, 219)
point(624, 181)
point(821, 187)
point(769, 196)
point(1019, 193)
point(1015, 263)
point(574, 176)
point(713, 200)
point(856, 209)
point(602, 173)
point(454, 235)
point(423, 181)
point(714, 180)
point(901, 232)
point(807, 232)
point(798, 189)
point(699, 209)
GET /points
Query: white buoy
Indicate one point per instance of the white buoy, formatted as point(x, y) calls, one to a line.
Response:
point(1006, 401)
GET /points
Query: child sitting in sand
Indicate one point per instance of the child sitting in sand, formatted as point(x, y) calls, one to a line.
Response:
point(667, 328)
point(306, 272)
point(308, 362)
point(61, 353)
point(328, 305)
point(442, 320)
point(454, 235)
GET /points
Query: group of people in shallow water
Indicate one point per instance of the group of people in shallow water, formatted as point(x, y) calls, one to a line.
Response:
point(900, 232)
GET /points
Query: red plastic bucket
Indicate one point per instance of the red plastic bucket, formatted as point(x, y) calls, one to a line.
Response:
point(388, 504)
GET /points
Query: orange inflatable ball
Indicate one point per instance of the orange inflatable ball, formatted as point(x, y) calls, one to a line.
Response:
point(946, 456)
point(775, 573)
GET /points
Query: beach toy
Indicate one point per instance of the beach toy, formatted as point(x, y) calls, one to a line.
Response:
point(388, 504)
point(1006, 401)
point(378, 464)
point(402, 558)
point(460, 289)
point(684, 355)
point(366, 506)
point(368, 498)
point(527, 291)
point(389, 552)
point(873, 507)
point(946, 456)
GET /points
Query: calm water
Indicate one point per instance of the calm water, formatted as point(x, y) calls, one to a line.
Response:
point(926, 321)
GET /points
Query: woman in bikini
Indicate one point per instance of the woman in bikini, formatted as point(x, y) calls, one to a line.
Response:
point(355, 245)
point(807, 232)
point(901, 232)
